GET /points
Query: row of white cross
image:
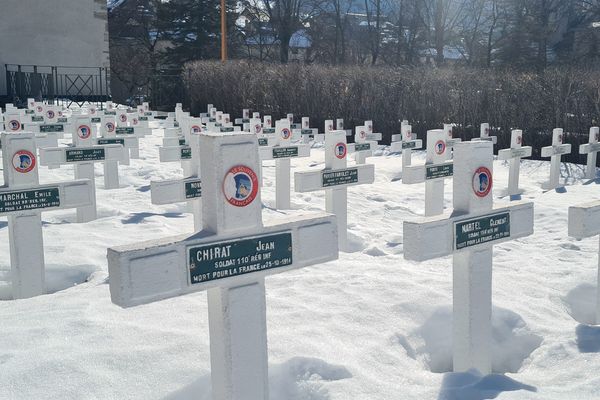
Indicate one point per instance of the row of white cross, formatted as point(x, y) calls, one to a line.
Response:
point(233, 250)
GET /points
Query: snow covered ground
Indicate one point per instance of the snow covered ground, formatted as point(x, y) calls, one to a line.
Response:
point(367, 326)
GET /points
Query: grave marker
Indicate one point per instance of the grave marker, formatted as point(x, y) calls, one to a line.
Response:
point(437, 168)
point(282, 152)
point(484, 134)
point(23, 199)
point(584, 222)
point(468, 233)
point(83, 154)
point(555, 152)
point(405, 144)
point(450, 141)
point(591, 149)
point(335, 179)
point(365, 142)
point(514, 155)
point(230, 258)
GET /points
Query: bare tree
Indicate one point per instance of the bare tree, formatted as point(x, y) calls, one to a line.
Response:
point(374, 16)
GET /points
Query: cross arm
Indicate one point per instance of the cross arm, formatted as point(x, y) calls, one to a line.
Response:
point(52, 196)
point(584, 220)
point(54, 156)
point(174, 153)
point(555, 150)
point(437, 236)
point(421, 173)
point(589, 148)
point(175, 190)
point(155, 270)
point(520, 152)
point(275, 152)
point(310, 181)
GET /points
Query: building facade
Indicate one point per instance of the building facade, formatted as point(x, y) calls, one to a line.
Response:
point(58, 46)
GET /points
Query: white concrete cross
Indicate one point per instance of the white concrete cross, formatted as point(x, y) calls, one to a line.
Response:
point(591, 149)
point(134, 134)
point(450, 140)
point(584, 222)
point(484, 134)
point(405, 144)
point(365, 142)
point(514, 155)
point(229, 258)
point(469, 233)
point(178, 191)
point(23, 199)
point(83, 154)
point(245, 117)
point(555, 152)
point(330, 127)
point(438, 167)
point(335, 179)
point(181, 153)
point(305, 132)
point(282, 153)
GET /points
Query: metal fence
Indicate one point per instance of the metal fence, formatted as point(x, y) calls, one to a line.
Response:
point(61, 85)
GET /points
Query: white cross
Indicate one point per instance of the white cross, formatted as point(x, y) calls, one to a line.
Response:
point(335, 179)
point(134, 134)
point(83, 154)
point(405, 144)
point(181, 153)
point(245, 117)
point(23, 199)
point(177, 148)
point(450, 140)
point(437, 167)
point(329, 127)
point(555, 152)
point(364, 143)
point(591, 149)
point(514, 155)
point(484, 134)
point(304, 131)
point(584, 222)
point(468, 233)
point(178, 191)
point(282, 153)
point(229, 258)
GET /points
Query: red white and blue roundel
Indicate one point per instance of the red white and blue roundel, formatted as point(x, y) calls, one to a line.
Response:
point(23, 161)
point(286, 133)
point(196, 129)
point(134, 121)
point(257, 128)
point(240, 186)
point(110, 126)
point(50, 114)
point(39, 109)
point(340, 150)
point(363, 134)
point(84, 131)
point(482, 182)
point(440, 147)
point(123, 117)
point(14, 125)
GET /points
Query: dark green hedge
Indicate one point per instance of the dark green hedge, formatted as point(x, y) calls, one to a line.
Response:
point(427, 97)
